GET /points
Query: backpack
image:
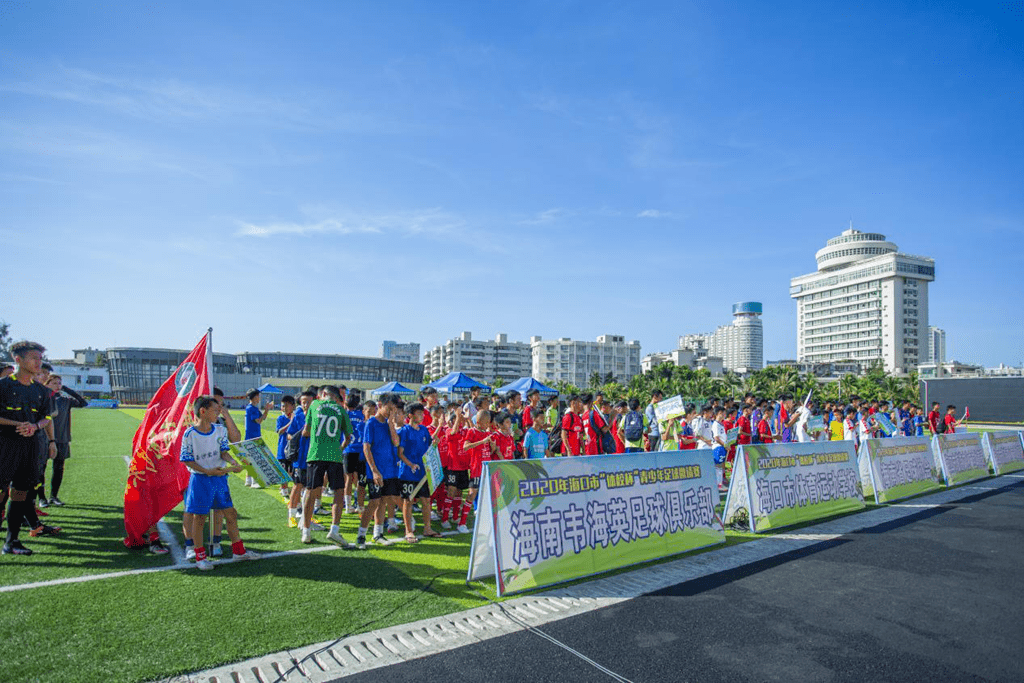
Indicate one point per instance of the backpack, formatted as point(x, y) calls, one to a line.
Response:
point(633, 426)
point(942, 425)
point(555, 436)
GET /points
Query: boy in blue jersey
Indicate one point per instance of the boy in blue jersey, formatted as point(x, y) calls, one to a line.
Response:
point(299, 446)
point(380, 444)
point(205, 451)
point(354, 464)
point(283, 420)
point(254, 424)
point(535, 443)
point(413, 442)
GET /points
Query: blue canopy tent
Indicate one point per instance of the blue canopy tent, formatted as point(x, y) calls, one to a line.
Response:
point(392, 388)
point(524, 385)
point(457, 383)
point(269, 388)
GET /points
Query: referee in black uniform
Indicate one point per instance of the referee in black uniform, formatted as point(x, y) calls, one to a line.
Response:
point(25, 408)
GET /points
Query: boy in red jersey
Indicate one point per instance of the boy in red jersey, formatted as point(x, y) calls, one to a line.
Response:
point(572, 427)
point(503, 439)
point(438, 430)
point(456, 474)
point(478, 447)
point(764, 427)
point(743, 422)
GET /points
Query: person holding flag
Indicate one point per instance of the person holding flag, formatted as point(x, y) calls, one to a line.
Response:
point(157, 479)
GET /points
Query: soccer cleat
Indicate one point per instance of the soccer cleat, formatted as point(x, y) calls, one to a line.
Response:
point(434, 517)
point(285, 493)
point(307, 536)
point(56, 502)
point(216, 550)
point(293, 522)
point(190, 553)
point(446, 524)
point(392, 528)
point(318, 510)
point(338, 539)
point(316, 526)
point(204, 565)
point(43, 503)
point(44, 530)
point(361, 542)
point(158, 548)
point(380, 540)
point(247, 555)
point(463, 529)
point(15, 548)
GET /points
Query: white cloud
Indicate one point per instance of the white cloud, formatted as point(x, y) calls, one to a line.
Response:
point(654, 213)
point(545, 217)
point(321, 221)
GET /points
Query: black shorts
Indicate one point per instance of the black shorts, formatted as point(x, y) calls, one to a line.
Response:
point(63, 451)
point(299, 475)
point(409, 486)
point(458, 479)
point(19, 467)
point(319, 471)
point(353, 465)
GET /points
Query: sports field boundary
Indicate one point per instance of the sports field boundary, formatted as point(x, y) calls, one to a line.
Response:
point(348, 655)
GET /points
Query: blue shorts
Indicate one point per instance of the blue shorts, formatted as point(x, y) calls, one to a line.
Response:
point(719, 453)
point(205, 493)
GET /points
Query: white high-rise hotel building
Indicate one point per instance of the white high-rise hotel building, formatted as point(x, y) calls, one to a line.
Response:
point(866, 303)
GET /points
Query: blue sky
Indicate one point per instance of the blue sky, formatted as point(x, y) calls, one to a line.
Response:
point(318, 177)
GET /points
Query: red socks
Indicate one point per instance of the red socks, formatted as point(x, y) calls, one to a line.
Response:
point(451, 507)
point(200, 553)
point(238, 548)
point(466, 507)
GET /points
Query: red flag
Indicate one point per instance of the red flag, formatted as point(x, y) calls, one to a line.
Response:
point(156, 478)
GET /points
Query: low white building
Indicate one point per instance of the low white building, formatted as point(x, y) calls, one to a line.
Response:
point(684, 358)
point(483, 360)
point(88, 380)
point(567, 360)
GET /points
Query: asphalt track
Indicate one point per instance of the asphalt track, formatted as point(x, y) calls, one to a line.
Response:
point(934, 596)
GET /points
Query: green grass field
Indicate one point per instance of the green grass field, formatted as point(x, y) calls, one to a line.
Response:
point(152, 625)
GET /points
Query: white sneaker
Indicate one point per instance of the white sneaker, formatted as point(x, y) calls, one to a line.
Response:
point(247, 555)
point(392, 528)
point(434, 517)
point(463, 529)
point(255, 485)
point(380, 540)
point(316, 527)
point(307, 536)
point(190, 553)
point(337, 539)
point(204, 565)
point(446, 524)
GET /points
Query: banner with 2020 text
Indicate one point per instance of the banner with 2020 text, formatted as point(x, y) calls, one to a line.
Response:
point(550, 520)
point(777, 485)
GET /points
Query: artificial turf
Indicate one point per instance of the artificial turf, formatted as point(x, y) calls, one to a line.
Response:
point(154, 625)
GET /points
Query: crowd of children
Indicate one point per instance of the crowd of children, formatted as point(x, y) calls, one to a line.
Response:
point(375, 464)
point(369, 455)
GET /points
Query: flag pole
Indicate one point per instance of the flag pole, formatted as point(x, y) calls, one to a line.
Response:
point(209, 375)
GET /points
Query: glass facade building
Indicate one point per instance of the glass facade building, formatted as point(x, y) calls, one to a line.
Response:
point(317, 366)
point(136, 373)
